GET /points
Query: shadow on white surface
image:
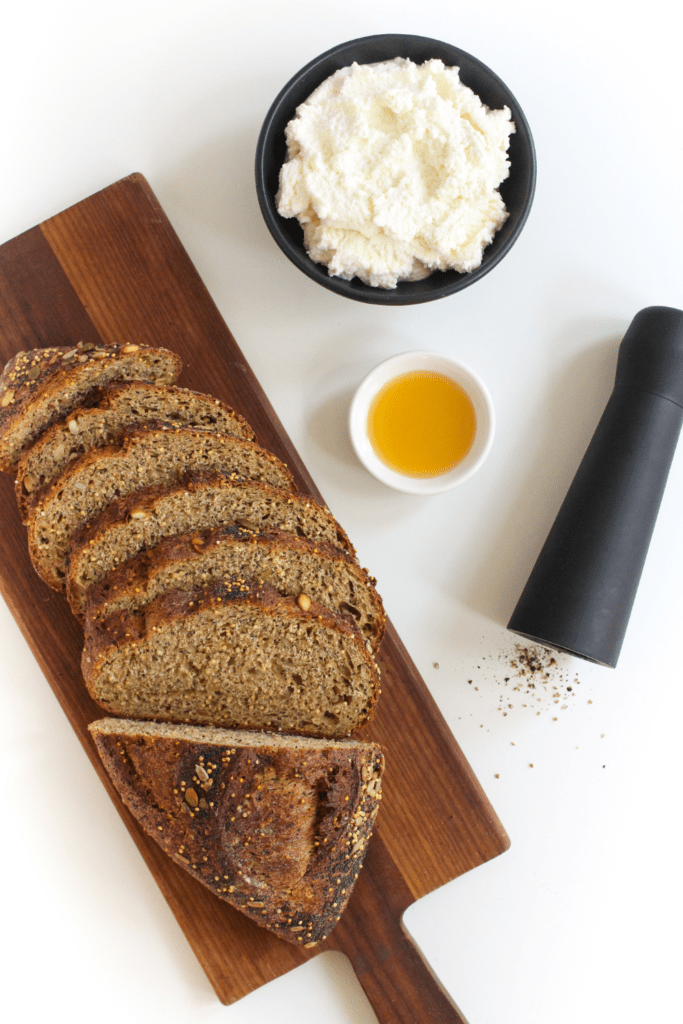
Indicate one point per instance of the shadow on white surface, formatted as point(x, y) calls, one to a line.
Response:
point(547, 456)
point(328, 428)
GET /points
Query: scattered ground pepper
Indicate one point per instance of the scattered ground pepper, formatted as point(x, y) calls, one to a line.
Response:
point(538, 677)
point(536, 680)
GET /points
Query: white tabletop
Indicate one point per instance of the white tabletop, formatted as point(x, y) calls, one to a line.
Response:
point(580, 919)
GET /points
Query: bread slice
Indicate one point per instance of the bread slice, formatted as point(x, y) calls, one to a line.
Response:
point(200, 501)
point(155, 454)
point(109, 411)
point(43, 385)
point(277, 826)
point(234, 655)
point(293, 566)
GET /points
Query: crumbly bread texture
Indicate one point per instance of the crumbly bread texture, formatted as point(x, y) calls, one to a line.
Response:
point(199, 502)
point(43, 385)
point(150, 454)
point(277, 826)
point(293, 566)
point(108, 412)
point(237, 656)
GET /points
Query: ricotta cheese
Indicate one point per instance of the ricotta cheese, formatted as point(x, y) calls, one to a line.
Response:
point(392, 172)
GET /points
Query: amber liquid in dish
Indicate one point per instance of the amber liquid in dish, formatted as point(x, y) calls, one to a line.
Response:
point(421, 424)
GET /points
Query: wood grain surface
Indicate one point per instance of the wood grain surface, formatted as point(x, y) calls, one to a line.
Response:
point(111, 269)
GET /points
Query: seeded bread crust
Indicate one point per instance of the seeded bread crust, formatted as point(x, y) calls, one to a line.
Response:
point(149, 454)
point(109, 411)
point(278, 827)
point(233, 655)
point(43, 385)
point(295, 567)
point(200, 501)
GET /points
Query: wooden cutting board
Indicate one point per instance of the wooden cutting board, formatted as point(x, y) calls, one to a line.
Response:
point(111, 269)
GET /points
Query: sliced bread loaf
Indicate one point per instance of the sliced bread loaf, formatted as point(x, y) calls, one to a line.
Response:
point(109, 411)
point(277, 826)
point(293, 566)
point(43, 385)
point(154, 454)
point(199, 502)
point(234, 655)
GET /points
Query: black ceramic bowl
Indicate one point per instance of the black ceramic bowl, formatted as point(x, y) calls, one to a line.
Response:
point(517, 190)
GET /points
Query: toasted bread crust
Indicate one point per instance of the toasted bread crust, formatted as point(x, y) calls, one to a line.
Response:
point(279, 830)
point(42, 385)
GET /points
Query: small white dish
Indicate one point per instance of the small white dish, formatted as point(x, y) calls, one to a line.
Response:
point(408, 362)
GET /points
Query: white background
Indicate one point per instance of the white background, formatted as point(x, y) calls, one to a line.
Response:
point(580, 919)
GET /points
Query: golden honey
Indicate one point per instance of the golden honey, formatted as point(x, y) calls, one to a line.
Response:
point(421, 424)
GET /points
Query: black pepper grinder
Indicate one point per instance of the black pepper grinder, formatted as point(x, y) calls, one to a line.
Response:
point(579, 595)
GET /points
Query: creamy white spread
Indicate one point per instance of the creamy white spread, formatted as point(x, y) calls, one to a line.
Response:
point(392, 172)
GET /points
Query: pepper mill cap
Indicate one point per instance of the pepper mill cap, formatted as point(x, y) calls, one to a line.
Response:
point(651, 353)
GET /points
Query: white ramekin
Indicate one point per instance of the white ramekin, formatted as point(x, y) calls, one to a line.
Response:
point(405, 363)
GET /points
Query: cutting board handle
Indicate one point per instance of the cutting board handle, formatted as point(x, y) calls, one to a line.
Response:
point(395, 977)
point(401, 987)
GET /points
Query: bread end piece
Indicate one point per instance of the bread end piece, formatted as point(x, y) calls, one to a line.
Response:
point(277, 826)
